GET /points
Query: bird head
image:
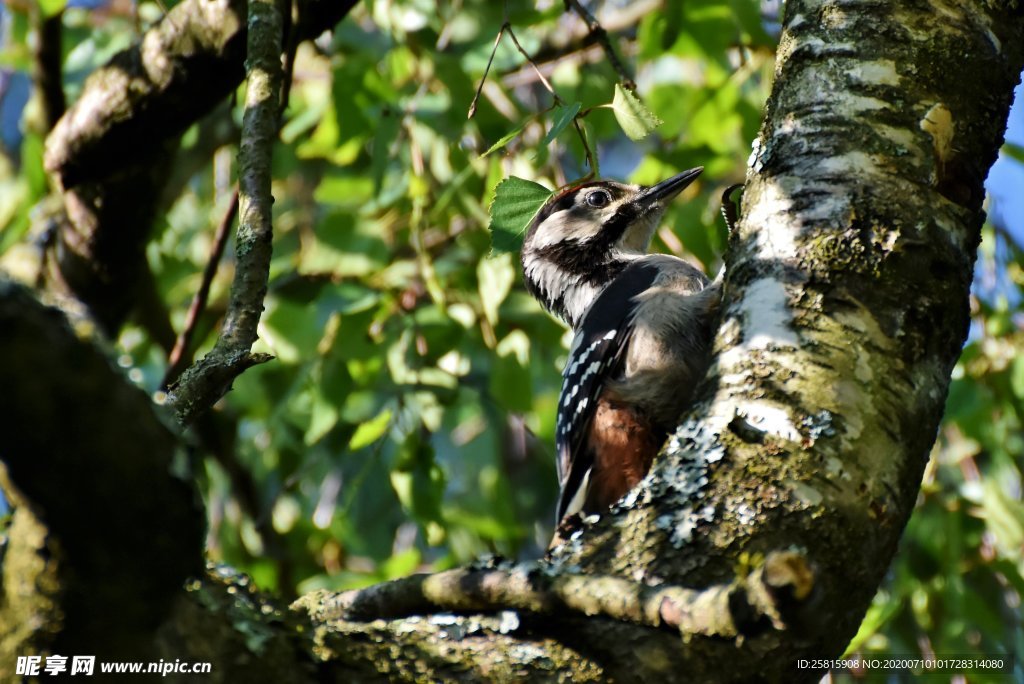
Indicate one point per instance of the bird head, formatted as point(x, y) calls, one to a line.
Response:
point(586, 234)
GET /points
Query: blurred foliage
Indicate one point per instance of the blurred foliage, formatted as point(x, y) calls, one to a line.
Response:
point(407, 422)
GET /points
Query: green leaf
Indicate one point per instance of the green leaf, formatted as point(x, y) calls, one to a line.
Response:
point(343, 246)
point(878, 616)
point(564, 115)
point(510, 382)
point(634, 117)
point(516, 202)
point(32, 165)
point(401, 564)
point(748, 15)
point(505, 139)
point(370, 431)
point(291, 330)
point(419, 483)
point(323, 417)
point(52, 7)
point(495, 277)
point(1014, 151)
point(1017, 377)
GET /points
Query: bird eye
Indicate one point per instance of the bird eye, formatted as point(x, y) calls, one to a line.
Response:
point(598, 198)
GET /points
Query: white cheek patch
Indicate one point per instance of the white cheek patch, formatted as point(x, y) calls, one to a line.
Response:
point(567, 225)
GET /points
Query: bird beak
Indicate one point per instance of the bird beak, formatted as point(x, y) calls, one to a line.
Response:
point(667, 189)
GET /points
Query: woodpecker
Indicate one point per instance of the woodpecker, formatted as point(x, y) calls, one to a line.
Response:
point(642, 323)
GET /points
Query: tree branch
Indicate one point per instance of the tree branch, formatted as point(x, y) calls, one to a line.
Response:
point(47, 55)
point(726, 610)
point(112, 149)
point(182, 68)
point(597, 33)
point(206, 382)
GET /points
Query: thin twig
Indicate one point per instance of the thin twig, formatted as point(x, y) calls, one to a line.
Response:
point(259, 132)
point(179, 358)
point(601, 36)
point(289, 59)
point(591, 157)
point(533, 64)
point(497, 40)
point(507, 27)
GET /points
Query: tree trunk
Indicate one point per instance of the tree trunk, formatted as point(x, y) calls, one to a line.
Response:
point(782, 496)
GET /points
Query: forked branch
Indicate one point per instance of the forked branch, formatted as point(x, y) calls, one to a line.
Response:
point(765, 596)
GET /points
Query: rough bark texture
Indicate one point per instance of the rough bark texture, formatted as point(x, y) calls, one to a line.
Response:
point(845, 309)
point(104, 533)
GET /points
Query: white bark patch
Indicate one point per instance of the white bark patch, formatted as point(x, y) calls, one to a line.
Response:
point(737, 375)
point(810, 83)
point(773, 244)
point(951, 229)
point(879, 72)
point(834, 467)
point(898, 136)
point(997, 45)
point(768, 321)
point(833, 16)
point(816, 46)
point(948, 12)
point(853, 164)
point(862, 371)
point(754, 161)
point(769, 419)
point(852, 404)
point(858, 104)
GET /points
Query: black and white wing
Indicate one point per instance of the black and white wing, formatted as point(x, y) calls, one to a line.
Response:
point(598, 351)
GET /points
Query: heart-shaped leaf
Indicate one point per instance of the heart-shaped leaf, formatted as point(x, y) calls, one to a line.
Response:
point(516, 202)
point(634, 117)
